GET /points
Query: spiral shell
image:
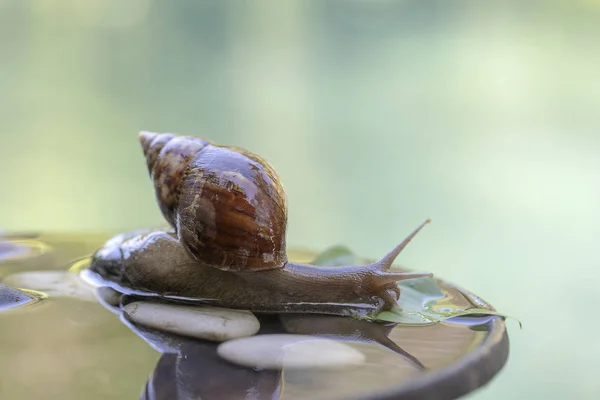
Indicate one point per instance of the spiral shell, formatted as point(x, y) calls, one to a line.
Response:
point(226, 204)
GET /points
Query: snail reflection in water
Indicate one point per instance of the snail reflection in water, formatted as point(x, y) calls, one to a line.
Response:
point(227, 243)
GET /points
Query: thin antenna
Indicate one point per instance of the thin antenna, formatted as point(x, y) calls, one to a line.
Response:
point(386, 262)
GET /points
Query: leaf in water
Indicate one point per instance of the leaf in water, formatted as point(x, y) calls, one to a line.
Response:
point(336, 256)
point(424, 317)
point(416, 295)
point(426, 288)
point(403, 317)
point(423, 301)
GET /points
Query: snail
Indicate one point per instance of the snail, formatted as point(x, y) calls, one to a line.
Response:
point(226, 245)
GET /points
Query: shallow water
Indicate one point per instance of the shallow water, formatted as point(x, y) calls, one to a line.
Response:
point(72, 346)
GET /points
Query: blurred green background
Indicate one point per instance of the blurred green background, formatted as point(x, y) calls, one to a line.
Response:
point(484, 116)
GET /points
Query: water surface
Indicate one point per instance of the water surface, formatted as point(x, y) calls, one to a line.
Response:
point(72, 346)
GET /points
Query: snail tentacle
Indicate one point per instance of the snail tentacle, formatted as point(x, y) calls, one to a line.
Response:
point(385, 263)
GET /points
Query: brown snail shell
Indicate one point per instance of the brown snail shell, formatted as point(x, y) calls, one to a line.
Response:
point(226, 204)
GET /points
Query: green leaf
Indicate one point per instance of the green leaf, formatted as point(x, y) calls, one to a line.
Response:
point(423, 317)
point(423, 301)
point(416, 295)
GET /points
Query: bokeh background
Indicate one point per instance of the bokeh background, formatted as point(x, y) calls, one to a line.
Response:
point(484, 116)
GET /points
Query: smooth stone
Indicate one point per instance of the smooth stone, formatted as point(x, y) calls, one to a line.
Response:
point(202, 322)
point(281, 351)
point(108, 295)
point(53, 283)
point(109, 298)
point(10, 297)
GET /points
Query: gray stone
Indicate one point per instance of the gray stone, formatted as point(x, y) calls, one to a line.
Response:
point(203, 322)
point(281, 351)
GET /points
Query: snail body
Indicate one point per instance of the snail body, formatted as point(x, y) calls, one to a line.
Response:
point(228, 213)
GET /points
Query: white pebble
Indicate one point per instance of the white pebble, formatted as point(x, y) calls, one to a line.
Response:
point(109, 298)
point(277, 351)
point(53, 283)
point(203, 322)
